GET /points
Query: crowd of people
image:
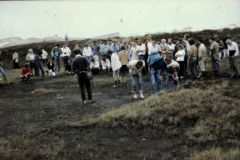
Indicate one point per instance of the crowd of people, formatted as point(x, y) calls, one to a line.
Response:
point(166, 62)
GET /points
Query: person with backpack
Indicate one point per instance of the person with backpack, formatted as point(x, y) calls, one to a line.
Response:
point(80, 67)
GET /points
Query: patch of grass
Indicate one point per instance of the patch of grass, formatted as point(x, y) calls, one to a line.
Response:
point(43, 91)
point(22, 147)
point(205, 113)
point(217, 154)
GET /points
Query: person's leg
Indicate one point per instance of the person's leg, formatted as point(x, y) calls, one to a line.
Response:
point(115, 78)
point(237, 65)
point(42, 70)
point(2, 72)
point(152, 79)
point(82, 88)
point(134, 85)
point(88, 88)
point(58, 63)
point(140, 86)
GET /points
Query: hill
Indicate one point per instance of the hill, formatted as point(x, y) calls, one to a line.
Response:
point(48, 44)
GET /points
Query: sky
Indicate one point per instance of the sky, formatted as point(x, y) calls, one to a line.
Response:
point(89, 18)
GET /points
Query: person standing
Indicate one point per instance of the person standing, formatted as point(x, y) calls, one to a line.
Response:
point(39, 64)
point(44, 56)
point(123, 56)
point(135, 70)
point(214, 49)
point(80, 67)
point(133, 51)
point(116, 65)
point(31, 59)
point(234, 59)
point(192, 59)
point(66, 52)
point(87, 52)
point(202, 58)
point(15, 59)
point(56, 52)
point(180, 54)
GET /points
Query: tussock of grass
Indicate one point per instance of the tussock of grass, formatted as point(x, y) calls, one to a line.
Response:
point(42, 91)
point(217, 154)
point(20, 147)
point(207, 114)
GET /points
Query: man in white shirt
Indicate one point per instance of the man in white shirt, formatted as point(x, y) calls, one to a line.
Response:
point(44, 56)
point(171, 48)
point(87, 52)
point(66, 52)
point(141, 50)
point(234, 59)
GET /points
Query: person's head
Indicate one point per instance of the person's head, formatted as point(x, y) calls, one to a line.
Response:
point(43, 50)
point(58, 45)
point(26, 65)
point(167, 60)
point(92, 60)
point(180, 47)
point(198, 43)
point(139, 64)
point(77, 52)
point(211, 39)
point(228, 42)
point(169, 40)
point(30, 50)
point(86, 45)
point(191, 41)
point(123, 48)
point(186, 36)
point(109, 52)
point(163, 41)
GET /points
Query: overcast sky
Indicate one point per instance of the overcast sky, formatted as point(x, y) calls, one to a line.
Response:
point(88, 18)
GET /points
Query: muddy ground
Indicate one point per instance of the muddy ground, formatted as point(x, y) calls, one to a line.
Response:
point(34, 118)
point(40, 110)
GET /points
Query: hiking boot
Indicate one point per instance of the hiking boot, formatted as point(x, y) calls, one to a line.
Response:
point(141, 95)
point(135, 96)
point(91, 101)
point(115, 84)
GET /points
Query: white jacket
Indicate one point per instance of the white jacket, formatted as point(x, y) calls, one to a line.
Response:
point(180, 55)
point(234, 46)
point(66, 52)
point(141, 49)
point(87, 51)
point(116, 64)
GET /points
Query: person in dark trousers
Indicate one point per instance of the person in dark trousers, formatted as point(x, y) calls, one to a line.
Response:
point(80, 67)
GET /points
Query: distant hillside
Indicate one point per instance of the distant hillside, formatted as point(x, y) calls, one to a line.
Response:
point(19, 45)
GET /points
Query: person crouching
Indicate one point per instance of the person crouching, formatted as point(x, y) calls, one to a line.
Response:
point(135, 70)
point(172, 72)
point(26, 73)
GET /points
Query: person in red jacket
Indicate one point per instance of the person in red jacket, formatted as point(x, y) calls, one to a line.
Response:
point(26, 72)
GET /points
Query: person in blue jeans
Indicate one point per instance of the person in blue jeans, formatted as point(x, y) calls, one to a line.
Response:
point(135, 70)
point(155, 61)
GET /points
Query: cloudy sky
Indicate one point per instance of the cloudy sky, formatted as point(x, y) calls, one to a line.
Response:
point(89, 18)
